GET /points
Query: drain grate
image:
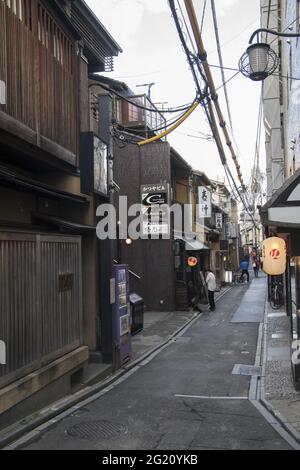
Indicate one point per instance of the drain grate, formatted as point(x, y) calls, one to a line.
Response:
point(97, 430)
point(242, 369)
point(182, 339)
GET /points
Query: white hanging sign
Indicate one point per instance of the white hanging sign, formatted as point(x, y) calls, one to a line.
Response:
point(219, 221)
point(205, 206)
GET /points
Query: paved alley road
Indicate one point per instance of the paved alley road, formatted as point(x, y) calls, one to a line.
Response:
point(186, 398)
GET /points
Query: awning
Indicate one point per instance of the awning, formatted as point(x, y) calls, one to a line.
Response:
point(65, 225)
point(30, 185)
point(283, 209)
point(195, 245)
point(190, 243)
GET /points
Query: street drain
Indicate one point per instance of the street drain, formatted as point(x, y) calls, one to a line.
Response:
point(182, 339)
point(242, 369)
point(97, 430)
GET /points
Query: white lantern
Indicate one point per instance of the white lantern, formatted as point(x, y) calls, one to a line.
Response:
point(274, 256)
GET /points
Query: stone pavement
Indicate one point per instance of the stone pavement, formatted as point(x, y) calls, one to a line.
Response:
point(161, 326)
point(278, 391)
point(159, 329)
point(275, 384)
point(182, 397)
point(252, 306)
point(274, 380)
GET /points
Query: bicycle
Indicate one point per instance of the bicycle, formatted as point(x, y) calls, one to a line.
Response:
point(277, 297)
point(239, 278)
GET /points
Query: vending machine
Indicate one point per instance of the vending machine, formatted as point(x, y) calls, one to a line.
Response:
point(122, 320)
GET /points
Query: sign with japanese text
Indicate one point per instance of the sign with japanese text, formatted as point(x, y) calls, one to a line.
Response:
point(219, 221)
point(205, 205)
point(155, 214)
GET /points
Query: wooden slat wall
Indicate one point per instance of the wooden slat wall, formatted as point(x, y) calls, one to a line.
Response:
point(19, 318)
point(61, 310)
point(37, 63)
point(38, 321)
point(2, 44)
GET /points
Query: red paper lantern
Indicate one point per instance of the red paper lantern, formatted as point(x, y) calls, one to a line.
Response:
point(192, 262)
point(274, 256)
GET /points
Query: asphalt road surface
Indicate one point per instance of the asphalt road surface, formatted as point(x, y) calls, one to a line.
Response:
point(186, 398)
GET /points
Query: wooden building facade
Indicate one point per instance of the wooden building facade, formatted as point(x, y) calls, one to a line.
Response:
point(50, 258)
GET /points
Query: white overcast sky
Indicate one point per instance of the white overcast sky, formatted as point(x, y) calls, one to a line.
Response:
point(152, 52)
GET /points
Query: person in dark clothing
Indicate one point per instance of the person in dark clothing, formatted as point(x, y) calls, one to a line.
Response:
point(256, 265)
point(244, 267)
point(193, 296)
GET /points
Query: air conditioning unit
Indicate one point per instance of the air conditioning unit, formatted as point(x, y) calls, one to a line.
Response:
point(2, 92)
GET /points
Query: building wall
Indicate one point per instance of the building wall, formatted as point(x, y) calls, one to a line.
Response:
point(182, 191)
point(152, 260)
point(282, 95)
point(291, 68)
point(272, 98)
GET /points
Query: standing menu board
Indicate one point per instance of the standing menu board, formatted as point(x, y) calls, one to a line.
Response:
point(122, 313)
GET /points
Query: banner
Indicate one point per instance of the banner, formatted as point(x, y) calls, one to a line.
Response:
point(205, 205)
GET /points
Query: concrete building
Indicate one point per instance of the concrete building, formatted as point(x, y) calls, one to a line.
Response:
point(281, 214)
point(281, 94)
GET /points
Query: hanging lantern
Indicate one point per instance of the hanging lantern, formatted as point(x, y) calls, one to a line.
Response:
point(259, 62)
point(274, 256)
point(192, 262)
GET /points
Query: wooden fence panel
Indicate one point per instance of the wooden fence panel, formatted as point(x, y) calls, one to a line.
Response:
point(41, 302)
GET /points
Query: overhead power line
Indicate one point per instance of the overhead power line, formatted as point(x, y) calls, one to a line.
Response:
point(184, 107)
point(203, 15)
point(172, 128)
point(203, 56)
point(207, 104)
point(169, 122)
point(269, 17)
point(216, 28)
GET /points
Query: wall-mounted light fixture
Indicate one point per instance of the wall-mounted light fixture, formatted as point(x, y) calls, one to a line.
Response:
point(260, 61)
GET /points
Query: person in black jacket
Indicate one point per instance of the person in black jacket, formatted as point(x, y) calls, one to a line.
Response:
point(193, 296)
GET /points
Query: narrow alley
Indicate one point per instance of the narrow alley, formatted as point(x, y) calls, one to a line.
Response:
point(189, 396)
point(149, 226)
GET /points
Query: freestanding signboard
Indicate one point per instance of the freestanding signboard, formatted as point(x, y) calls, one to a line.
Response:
point(122, 325)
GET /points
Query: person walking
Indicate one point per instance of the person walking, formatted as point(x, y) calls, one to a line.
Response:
point(255, 267)
point(211, 287)
point(257, 264)
point(244, 266)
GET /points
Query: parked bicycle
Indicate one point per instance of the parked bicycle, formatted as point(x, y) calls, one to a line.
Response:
point(277, 295)
point(239, 278)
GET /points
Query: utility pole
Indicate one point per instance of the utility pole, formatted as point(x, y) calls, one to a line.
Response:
point(149, 85)
point(162, 103)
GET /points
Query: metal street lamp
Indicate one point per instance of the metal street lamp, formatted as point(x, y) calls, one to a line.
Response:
point(260, 61)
